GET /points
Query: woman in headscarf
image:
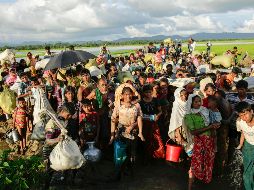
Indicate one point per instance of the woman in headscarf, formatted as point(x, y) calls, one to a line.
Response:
point(175, 131)
point(197, 124)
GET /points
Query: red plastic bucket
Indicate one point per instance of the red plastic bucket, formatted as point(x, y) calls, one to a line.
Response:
point(173, 152)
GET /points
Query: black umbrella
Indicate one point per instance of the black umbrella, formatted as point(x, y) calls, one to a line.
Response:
point(67, 58)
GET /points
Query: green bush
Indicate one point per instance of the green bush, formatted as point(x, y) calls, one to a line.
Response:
point(21, 173)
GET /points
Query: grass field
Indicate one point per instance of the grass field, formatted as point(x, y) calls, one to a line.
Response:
point(217, 49)
point(221, 49)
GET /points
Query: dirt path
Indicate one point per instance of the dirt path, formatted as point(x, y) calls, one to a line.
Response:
point(158, 176)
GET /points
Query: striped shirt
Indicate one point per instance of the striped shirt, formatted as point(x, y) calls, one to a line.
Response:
point(234, 99)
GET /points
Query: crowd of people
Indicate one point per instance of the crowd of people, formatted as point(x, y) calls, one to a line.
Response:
point(142, 103)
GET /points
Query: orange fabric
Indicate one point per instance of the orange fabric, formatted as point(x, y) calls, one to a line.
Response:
point(229, 78)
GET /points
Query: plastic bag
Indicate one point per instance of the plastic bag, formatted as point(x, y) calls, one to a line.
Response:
point(66, 155)
point(7, 100)
point(39, 131)
point(119, 153)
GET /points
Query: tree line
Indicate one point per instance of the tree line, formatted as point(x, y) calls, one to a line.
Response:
point(66, 45)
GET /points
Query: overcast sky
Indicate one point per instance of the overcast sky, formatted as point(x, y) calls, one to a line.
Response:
point(68, 20)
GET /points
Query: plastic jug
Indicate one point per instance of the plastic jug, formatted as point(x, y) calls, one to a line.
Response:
point(92, 154)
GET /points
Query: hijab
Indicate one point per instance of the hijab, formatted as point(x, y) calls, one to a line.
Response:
point(178, 111)
point(201, 110)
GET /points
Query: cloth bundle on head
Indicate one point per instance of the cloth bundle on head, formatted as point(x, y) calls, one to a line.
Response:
point(119, 90)
point(178, 111)
point(95, 71)
point(168, 41)
point(41, 64)
point(91, 62)
point(16, 85)
point(203, 83)
point(149, 57)
point(61, 74)
point(246, 61)
point(124, 76)
point(7, 55)
point(180, 82)
point(202, 69)
point(102, 68)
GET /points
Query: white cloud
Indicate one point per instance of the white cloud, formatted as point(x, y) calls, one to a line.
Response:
point(248, 26)
point(24, 20)
point(132, 31)
point(170, 8)
point(200, 23)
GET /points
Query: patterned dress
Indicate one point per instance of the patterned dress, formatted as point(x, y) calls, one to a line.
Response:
point(20, 119)
point(203, 150)
point(126, 116)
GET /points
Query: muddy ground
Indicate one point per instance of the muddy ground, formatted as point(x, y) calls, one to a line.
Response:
point(157, 175)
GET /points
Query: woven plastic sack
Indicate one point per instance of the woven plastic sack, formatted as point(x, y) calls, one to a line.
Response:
point(61, 74)
point(168, 41)
point(91, 62)
point(149, 57)
point(66, 155)
point(7, 100)
point(223, 60)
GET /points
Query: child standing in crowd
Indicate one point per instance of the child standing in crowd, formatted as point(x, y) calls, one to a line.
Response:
point(21, 122)
point(23, 89)
point(87, 99)
point(214, 116)
point(152, 112)
point(89, 125)
point(245, 125)
point(72, 124)
point(126, 125)
point(166, 108)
